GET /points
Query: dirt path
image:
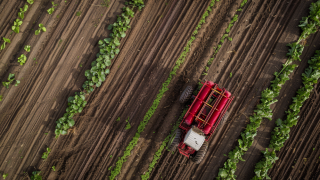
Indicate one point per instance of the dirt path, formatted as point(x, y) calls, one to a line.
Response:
point(157, 36)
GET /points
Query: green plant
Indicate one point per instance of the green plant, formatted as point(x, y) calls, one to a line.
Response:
point(22, 11)
point(41, 27)
point(118, 119)
point(4, 176)
point(10, 80)
point(46, 154)
point(16, 25)
point(5, 40)
point(54, 168)
point(231, 74)
point(17, 83)
point(27, 48)
point(136, 3)
point(268, 97)
point(50, 11)
point(1, 98)
point(78, 13)
point(22, 59)
point(128, 126)
point(110, 156)
point(109, 168)
point(105, 3)
point(30, 1)
point(36, 175)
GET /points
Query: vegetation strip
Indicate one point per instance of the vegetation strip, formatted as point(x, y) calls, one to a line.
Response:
point(157, 155)
point(309, 26)
point(97, 74)
point(281, 132)
point(164, 143)
point(225, 35)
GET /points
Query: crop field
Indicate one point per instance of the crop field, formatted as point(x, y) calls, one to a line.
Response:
point(90, 88)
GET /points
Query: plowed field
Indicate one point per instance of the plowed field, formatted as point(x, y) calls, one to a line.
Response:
point(159, 32)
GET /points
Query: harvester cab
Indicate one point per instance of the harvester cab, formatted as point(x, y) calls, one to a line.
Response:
point(205, 116)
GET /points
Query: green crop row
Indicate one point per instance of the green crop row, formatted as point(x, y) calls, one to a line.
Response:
point(225, 35)
point(157, 155)
point(309, 26)
point(156, 102)
point(109, 48)
point(97, 74)
point(281, 132)
point(17, 23)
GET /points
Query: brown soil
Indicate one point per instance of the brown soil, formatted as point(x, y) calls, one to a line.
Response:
point(148, 53)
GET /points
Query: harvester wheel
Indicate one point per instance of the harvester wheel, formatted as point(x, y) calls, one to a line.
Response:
point(186, 94)
point(198, 157)
point(175, 140)
point(223, 120)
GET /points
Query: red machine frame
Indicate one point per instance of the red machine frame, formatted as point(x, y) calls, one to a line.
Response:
point(218, 94)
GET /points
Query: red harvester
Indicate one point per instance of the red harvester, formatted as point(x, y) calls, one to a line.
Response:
point(205, 115)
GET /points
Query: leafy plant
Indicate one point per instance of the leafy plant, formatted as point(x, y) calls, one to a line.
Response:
point(27, 48)
point(105, 3)
point(50, 11)
point(22, 11)
point(17, 83)
point(10, 80)
point(46, 154)
point(128, 126)
point(5, 40)
point(22, 59)
point(1, 98)
point(36, 175)
point(41, 27)
point(4, 176)
point(16, 25)
point(78, 13)
point(118, 119)
point(231, 74)
point(136, 3)
point(54, 168)
point(30, 1)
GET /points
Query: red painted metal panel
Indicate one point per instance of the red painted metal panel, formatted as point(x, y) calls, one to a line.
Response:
point(217, 112)
point(198, 102)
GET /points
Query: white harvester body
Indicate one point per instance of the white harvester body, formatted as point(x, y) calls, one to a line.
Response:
point(194, 139)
